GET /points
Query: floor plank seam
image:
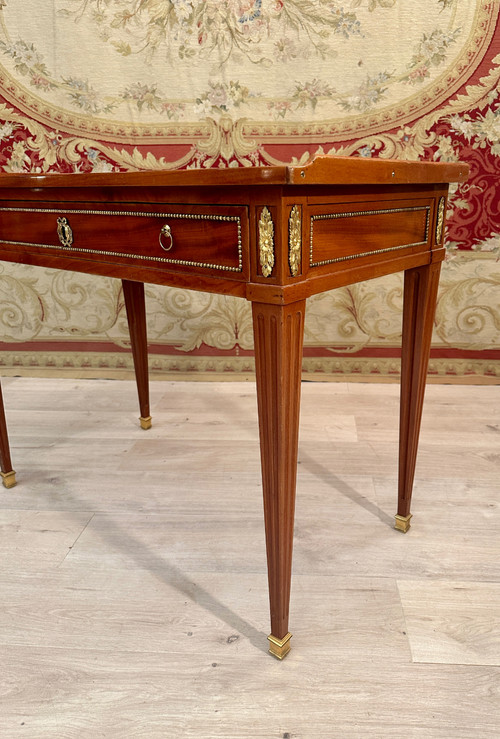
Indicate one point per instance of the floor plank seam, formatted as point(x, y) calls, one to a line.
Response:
point(70, 548)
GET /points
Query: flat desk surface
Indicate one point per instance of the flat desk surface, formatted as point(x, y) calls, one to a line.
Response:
point(272, 235)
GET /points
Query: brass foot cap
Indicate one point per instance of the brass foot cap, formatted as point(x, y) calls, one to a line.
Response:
point(402, 523)
point(9, 479)
point(279, 647)
point(145, 422)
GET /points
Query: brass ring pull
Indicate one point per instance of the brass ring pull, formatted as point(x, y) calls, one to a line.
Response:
point(167, 233)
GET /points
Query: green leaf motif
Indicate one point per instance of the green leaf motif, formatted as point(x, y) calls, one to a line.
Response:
point(122, 48)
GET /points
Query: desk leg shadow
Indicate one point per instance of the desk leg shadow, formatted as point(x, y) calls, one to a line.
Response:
point(133, 293)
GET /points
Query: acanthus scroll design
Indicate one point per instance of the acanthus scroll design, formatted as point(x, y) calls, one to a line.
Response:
point(294, 240)
point(266, 242)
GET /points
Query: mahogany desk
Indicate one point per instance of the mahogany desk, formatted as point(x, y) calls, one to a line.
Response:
point(272, 235)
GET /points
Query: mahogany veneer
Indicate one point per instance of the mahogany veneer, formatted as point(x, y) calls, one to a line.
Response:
point(272, 235)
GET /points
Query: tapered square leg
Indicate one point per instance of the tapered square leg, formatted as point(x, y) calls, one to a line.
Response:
point(278, 332)
point(420, 294)
point(7, 473)
point(135, 305)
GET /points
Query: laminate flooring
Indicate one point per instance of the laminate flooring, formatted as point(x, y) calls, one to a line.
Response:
point(133, 590)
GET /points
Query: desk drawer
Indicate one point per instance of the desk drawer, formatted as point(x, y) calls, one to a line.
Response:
point(174, 238)
point(349, 232)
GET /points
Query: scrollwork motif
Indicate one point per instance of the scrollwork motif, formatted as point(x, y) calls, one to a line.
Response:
point(21, 306)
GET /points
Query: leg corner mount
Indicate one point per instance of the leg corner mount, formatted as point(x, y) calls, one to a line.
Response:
point(8, 479)
point(279, 647)
point(402, 523)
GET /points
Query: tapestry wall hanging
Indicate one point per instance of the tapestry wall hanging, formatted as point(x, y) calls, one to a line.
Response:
point(117, 85)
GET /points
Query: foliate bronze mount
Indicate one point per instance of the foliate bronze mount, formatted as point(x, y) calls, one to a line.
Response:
point(294, 240)
point(440, 220)
point(266, 242)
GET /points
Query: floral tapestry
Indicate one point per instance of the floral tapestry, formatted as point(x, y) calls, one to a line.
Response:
point(117, 85)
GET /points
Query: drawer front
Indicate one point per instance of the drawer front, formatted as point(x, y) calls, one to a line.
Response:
point(344, 233)
point(174, 238)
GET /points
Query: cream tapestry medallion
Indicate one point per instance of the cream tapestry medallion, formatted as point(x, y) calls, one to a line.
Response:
point(184, 71)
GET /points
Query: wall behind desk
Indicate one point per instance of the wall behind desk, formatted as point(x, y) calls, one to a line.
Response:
point(88, 85)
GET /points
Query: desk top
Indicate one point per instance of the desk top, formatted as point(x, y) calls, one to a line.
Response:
point(320, 171)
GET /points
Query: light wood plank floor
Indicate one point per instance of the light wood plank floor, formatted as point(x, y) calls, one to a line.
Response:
point(133, 592)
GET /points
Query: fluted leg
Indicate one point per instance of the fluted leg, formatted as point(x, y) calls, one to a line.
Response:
point(278, 332)
point(7, 473)
point(133, 293)
point(420, 293)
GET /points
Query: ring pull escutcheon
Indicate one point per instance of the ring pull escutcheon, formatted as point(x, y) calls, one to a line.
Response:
point(166, 233)
point(64, 232)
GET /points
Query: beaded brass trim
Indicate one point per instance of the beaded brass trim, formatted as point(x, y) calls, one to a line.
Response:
point(294, 240)
point(440, 220)
point(266, 242)
point(137, 214)
point(325, 216)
